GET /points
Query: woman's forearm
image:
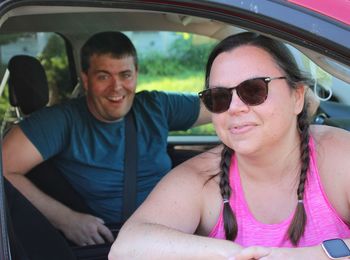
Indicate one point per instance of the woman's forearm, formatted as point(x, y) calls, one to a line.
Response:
point(153, 241)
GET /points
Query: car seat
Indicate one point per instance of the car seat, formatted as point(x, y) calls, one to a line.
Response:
point(29, 92)
point(29, 230)
point(28, 87)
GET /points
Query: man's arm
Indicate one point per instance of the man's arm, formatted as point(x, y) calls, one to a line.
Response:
point(20, 156)
point(204, 116)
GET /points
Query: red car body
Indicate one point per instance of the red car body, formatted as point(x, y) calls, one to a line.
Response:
point(336, 9)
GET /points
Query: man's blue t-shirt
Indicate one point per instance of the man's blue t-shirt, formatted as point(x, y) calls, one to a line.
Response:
point(90, 153)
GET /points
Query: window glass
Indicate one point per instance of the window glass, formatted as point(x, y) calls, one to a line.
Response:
point(173, 61)
point(49, 49)
point(326, 86)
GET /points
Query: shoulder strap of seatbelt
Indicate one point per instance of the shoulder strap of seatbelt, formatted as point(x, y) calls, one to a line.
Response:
point(130, 166)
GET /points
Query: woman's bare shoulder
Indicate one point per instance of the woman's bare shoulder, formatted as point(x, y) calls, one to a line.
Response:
point(332, 151)
point(331, 138)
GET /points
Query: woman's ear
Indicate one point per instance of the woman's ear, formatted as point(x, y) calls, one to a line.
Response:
point(300, 97)
point(312, 102)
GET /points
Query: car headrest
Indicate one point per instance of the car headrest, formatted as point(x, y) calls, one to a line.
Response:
point(28, 87)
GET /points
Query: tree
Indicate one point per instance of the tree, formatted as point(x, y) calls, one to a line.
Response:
point(55, 62)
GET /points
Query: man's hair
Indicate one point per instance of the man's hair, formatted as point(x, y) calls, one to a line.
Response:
point(116, 44)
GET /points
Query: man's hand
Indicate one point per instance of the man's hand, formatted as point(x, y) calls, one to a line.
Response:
point(84, 229)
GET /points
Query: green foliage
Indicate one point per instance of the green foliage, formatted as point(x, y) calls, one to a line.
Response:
point(4, 104)
point(185, 82)
point(54, 60)
point(8, 38)
point(182, 69)
point(184, 56)
point(189, 54)
point(156, 64)
point(207, 129)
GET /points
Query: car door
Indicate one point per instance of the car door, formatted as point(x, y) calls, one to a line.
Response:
point(323, 37)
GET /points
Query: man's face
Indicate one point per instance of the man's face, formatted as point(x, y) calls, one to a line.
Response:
point(110, 85)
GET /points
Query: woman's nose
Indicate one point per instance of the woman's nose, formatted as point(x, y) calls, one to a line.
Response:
point(236, 104)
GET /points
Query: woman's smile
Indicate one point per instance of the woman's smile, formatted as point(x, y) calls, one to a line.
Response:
point(242, 128)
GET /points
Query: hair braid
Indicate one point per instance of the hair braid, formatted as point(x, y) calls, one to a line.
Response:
point(297, 226)
point(230, 222)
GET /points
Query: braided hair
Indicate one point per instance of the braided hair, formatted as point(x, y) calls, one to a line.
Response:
point(285, 60)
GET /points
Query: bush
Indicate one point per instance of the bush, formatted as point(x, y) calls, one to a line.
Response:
point(54, 60)
point(184, 57)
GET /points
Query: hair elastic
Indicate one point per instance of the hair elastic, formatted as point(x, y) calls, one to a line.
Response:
point(226, 201)
point(300, 201)
point(316, 86)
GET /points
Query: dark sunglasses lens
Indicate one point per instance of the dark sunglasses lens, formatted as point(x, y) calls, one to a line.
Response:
point(253, 91)
point(217, 100)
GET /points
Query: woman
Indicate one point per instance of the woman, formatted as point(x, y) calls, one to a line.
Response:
point(275, 189)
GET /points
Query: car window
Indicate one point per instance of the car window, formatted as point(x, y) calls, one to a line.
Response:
point(173, 61)
point(169, 61)
point(50, 50)
point(327, 87)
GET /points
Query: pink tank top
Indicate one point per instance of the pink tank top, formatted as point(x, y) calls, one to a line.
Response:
point(323, 222)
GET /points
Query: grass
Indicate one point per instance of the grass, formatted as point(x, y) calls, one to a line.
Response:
point(191, 82)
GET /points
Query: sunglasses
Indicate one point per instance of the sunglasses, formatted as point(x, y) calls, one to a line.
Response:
point(252, 92)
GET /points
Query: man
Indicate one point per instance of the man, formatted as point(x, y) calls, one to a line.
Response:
point(85, 138)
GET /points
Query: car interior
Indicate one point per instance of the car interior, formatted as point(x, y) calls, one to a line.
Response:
point(27, 84)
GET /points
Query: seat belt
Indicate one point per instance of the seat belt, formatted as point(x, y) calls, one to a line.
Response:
point(130, 166)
